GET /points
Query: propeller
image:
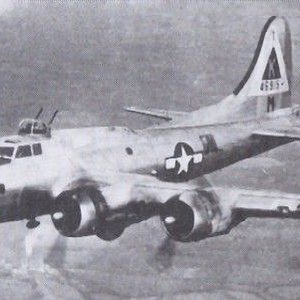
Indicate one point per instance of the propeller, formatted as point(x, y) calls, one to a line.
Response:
point(57, 255)
point(164, 255)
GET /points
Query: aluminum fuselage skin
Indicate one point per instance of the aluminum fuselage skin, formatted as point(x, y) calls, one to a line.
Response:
point(78, 154)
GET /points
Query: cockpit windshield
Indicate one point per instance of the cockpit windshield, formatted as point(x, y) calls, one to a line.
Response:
point(6, 154)
point(6, 151)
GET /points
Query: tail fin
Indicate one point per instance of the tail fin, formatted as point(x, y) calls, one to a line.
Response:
point(265, 87)
point(268, 79)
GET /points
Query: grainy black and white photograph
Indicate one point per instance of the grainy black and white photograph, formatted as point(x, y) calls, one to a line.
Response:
point(150, 150)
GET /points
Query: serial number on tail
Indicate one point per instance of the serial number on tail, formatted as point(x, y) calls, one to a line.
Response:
point(271, 85)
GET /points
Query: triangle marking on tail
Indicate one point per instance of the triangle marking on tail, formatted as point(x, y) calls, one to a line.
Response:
point(272, 70)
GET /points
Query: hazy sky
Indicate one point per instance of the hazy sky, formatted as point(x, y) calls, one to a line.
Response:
point(6, 5)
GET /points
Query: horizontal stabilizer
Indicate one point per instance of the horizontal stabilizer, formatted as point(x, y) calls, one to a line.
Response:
point(166, 115)
point(267, 201)
point(280, 132)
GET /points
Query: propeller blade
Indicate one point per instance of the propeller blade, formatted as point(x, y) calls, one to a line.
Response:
point(163, 258)
point(56, 257)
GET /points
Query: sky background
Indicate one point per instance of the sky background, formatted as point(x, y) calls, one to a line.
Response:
point(90, 58)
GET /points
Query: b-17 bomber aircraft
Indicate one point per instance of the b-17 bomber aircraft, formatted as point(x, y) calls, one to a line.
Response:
point(100, 180)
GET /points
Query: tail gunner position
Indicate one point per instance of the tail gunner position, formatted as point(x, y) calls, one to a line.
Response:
point(98, 181)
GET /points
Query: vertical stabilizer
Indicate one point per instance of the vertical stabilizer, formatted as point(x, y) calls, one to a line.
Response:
point(266, 86)
point(268, 79)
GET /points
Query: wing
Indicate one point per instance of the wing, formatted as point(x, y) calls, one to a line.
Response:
point(97, 201)
point(166, 115)
point(105, 205)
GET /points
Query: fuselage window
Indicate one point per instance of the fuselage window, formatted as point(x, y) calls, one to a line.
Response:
point(209, 143)
point(23, 151)
point(129, 151)
point(37, 149)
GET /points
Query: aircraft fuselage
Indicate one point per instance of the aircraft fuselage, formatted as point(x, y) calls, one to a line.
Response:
point(176, 154)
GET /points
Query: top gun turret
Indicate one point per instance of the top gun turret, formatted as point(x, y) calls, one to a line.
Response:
point(35, 126)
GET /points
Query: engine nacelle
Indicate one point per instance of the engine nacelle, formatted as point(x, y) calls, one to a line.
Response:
point(194, 215)
point(82, 212)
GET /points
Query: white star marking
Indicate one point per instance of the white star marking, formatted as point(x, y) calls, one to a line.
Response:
point(183, 161)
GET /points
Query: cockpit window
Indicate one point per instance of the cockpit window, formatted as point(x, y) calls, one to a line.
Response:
point(6, 151)
point(37, 149)
point(23, 151)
